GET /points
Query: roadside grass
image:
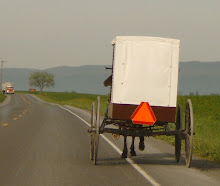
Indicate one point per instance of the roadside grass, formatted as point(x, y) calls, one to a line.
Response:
point(83, 101)
point(206, 111)
point(2, 97)
point(206, 125)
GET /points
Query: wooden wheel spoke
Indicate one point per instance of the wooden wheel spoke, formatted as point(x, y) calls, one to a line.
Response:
point(189, 131)
point(97, 125)
point(178, 136)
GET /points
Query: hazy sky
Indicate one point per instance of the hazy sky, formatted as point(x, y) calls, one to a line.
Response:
point(48, 33)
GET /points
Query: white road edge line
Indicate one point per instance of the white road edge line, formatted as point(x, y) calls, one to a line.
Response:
point(130, 161)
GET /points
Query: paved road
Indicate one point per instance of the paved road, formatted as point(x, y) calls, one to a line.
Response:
point(45, 144)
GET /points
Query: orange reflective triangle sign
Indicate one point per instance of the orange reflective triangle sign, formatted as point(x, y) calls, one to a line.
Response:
point(143, 114)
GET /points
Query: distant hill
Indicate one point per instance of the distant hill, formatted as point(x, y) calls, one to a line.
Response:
point(199, 77)
point(194, 77)
point(83, 79)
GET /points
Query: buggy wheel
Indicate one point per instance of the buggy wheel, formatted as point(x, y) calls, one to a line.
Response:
point(96, 142)
point(92, 132)
point(178, 136)
point(189, 132)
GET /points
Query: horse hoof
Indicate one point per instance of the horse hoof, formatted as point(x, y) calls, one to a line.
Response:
point(133, 153)
point(124, 155)
point(141, 146)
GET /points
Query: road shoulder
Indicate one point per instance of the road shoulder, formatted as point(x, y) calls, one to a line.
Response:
point(6, 101)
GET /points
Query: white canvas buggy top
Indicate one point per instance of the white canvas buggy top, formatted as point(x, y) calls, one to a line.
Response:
point(145, 69)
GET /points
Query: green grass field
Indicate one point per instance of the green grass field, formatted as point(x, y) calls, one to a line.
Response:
point(83, 101)
point(206, 118)
point(206, 111)
point(2, 97)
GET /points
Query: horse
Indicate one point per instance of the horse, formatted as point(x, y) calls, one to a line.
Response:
point(132, 149)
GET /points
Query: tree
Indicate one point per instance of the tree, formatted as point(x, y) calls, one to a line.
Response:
point(41, 80)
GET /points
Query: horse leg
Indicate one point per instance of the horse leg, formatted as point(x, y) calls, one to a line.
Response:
point(125, 150)
point(132, 152)
point(141, 143)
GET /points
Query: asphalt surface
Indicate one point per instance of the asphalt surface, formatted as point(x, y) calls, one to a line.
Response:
point(47, 144)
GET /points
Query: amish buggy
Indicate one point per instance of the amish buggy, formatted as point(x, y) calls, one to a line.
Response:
point(143, 96)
